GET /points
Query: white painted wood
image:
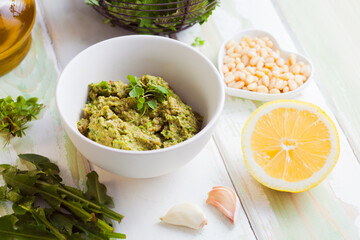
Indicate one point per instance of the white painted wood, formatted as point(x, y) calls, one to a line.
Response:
point(144, 201)
point(73, 26)
point(272, 213)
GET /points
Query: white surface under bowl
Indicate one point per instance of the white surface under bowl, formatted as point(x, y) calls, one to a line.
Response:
point(190, 74)
point(283, 53)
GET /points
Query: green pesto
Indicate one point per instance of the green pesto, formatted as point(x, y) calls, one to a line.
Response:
point(111, 117)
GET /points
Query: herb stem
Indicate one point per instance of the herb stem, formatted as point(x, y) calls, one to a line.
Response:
point(45, 221)
point(106, 211)
point(81, 213)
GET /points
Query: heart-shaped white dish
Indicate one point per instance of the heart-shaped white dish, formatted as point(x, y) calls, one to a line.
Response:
point(283, 53)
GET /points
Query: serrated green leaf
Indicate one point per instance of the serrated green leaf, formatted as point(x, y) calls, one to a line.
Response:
point(51, 193)
point(41, 163)
point(3, 190)
point(26, 218)
point(23, 231)
point(14, 195)
point(63, 222)
point(27, 203)
point(97, 191)
point(24, 182)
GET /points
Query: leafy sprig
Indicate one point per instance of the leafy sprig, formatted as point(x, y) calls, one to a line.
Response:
point(146, 97)
point(15, 114)
point(198, 42)
point(89, 213)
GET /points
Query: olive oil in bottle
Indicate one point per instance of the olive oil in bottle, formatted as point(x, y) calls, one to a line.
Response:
point(16, 20)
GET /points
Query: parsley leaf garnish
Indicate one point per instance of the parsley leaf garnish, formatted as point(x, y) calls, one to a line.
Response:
point(146, 97)
point(198, 42)
point(15, 114)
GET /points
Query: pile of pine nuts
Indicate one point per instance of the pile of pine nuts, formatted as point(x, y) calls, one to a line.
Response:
point(254, 65)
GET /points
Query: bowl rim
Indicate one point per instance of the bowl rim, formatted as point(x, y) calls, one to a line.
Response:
point(255, 95)
point(202, 132)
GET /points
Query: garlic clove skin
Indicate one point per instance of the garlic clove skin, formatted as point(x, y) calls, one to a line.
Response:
point(187, 215)
point(224, 199)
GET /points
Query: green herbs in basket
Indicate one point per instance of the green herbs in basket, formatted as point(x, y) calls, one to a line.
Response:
point(155, 16)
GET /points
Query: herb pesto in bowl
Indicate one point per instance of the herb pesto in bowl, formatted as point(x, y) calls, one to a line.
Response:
point(145, 114)
point(191, 76)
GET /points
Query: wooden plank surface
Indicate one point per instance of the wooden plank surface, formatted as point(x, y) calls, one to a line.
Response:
point(142, 201)
point(329, 211)
point(329, 33)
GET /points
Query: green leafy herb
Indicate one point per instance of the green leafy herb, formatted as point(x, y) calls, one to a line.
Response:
point(198, 42)
point(15, 114)
point(89, 213)
point(146, 97)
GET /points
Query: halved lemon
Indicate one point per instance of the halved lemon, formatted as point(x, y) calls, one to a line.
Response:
point(290, 145)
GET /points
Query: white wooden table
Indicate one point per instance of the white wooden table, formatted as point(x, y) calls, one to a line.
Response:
point(328, 211)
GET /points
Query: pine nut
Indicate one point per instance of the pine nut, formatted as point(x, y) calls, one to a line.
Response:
point(230, 44)
point(259, 73)
point(265, 80)
point(225, 69)
point(238, 84)
point(274, 91)
point(252, 86)
point(306, 71)
point(292, 59)
point(280, 62)
point(253, 64)
point(262, 89)
point(279, 84)
point(254, 60)
point(231, 65)
point(292, 85)
point(229, 78)
point(245, 59)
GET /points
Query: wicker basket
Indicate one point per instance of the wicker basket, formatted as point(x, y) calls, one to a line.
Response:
point(160, 18)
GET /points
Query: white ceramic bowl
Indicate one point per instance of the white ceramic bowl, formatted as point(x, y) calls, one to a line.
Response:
point(192, 76)
point(255, 95)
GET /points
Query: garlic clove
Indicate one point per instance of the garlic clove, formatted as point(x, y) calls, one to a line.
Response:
point(187, 215)
point(224, 199)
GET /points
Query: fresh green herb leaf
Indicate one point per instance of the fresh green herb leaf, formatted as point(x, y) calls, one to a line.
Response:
point(134, 81)
point(41, 163)
point(106, 21)
point(88, 211)
point(92, 2)
point(148, 96)
point(3, 190)
point(97, 191)
point(14, 115)
point(198, 42)
point(14, 195)
point(10, 229)
point(104, 84)
point(152, 104)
